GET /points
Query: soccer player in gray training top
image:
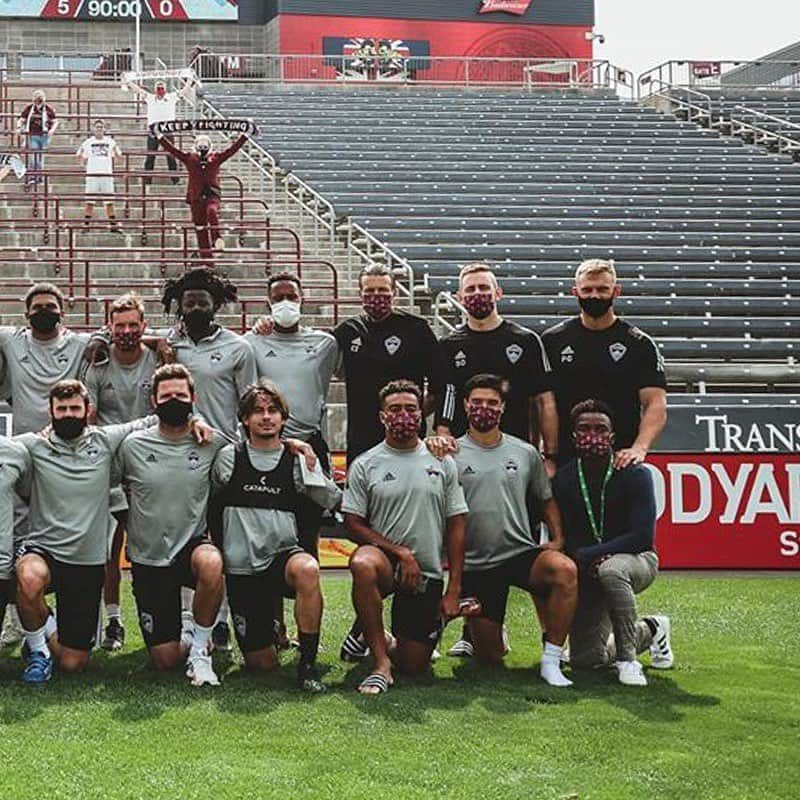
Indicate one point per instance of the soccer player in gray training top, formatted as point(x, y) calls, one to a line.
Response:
point(609, 524)
point(499, 473)
point(119, 391)
point(167, 479)
point(258, 486)
point(221, 362)
point(67, 545)
point(401, 506)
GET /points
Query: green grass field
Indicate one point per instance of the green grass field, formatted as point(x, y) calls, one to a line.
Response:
point(725, 723)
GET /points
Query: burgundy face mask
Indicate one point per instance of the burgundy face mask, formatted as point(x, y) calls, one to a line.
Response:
point(479, 305)
point(377, 306)
point(129, 340)
point(483, 418)
point(402, 425)
point(593, 445)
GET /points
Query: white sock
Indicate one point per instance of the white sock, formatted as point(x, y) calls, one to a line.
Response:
point(37, 641)
point(224, 610)
point(112, 611)
point(50, 626)
point(550, 669)
point(200, 641)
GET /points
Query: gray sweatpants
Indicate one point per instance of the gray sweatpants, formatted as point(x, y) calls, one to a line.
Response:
point(606, 606)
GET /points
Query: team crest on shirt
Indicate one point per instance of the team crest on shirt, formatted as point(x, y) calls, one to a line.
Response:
point(216, 356)
point(93, 453)
point(146, 385)
point(194, 459)
point(514, 353)
point(240, 623)
point(617, 350)
point(62, 359)
point(146, 621)
point(567, 355)
point(460, 359)
point(392, 344)
point(511, 466)
point(433, 472)
point(355, 345)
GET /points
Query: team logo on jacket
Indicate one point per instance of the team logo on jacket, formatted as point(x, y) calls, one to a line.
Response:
point(194, 459)
point(567, 355)
point(460, 359)
point(93, 453)
point(617, 350)
point(216, 356)
point(146, 621)
point(392, 344)
point(146, 385)
point(514, 353)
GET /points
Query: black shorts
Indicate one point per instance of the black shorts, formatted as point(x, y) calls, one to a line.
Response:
point(252, 599)
point(78, 589)
point(5, 597)
point(417, 616)
point(158, 595)
point(491, 585)
point(309, 514)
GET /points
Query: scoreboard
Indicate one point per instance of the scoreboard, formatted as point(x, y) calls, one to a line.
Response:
point(121, 10)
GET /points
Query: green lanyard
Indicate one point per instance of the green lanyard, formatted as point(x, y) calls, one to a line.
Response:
point(587, 501)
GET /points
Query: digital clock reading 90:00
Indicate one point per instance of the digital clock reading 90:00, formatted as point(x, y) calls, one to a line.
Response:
point(100, 10)
point(109, 9)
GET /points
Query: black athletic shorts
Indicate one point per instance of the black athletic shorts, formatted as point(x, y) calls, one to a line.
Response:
point(78, 589)
point(158, 595)
point(5, 597)
point(252, 599)
point(417, 616)
point(491, 585)
point(309, 514)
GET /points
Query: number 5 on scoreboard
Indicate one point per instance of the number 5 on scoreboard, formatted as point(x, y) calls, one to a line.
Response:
point(63, 8)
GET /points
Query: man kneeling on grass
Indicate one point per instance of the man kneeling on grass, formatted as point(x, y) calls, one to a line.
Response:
point(400, 503)
point(609, 521)
point(500, 474)
point(258, 488)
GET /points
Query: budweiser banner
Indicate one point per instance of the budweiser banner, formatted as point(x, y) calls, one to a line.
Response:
point(518, 7)
point(202, 125)
point(727, 511)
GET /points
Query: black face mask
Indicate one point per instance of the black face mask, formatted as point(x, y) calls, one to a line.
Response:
point(174, 412)
point(595, 307)
point(202, 152)
point(69, 428)
point(198, 320)
point(44, 321)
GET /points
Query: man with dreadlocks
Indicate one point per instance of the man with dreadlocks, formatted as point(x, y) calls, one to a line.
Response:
point(221, 362)
point(203, 192)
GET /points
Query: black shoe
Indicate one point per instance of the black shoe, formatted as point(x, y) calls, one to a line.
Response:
point(308, 679)
point(114, 637)
point(221, 637)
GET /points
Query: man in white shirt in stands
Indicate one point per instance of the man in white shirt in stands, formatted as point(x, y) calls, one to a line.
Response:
point(97, 153)
point(162, 106)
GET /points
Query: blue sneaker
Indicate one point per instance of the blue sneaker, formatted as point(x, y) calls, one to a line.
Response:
point(38, 669)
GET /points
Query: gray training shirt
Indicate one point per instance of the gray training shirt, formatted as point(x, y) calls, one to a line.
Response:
point(70, 484)
point(254, 536)
point(497, 482)
point(122, 392)
point(407, 497)
point(301, 364)
point(15, 464)
point(167, 482)
point(33, 366)
point(223, 367)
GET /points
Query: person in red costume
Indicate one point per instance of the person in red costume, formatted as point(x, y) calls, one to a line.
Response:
point(203, 193)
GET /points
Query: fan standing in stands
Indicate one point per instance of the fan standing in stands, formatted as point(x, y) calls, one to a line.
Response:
point(38, 122)
point(598, 355)
point(97, 153)
point(119, 390)
point(609, 524)
point(203, 191)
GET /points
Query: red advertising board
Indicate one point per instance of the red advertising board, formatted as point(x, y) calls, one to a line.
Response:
point(727, 510)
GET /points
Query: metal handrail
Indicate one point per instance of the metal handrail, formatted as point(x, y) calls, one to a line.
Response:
point(764, 135)
point(443, 301)
point(294, 190)
point(780, 120)
point(391, 259)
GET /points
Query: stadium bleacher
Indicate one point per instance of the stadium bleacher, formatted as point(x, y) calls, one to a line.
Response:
point(705, 230)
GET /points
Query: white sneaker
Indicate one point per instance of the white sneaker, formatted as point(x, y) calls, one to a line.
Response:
point(631, 673)
point(200, 671)
point(661, 655)
point(462, 649)
point(551, 673)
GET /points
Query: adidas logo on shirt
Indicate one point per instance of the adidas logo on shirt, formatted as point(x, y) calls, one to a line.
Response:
point(151, 459)
point(389, 477)
point(469, 470)
point(271, 354)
